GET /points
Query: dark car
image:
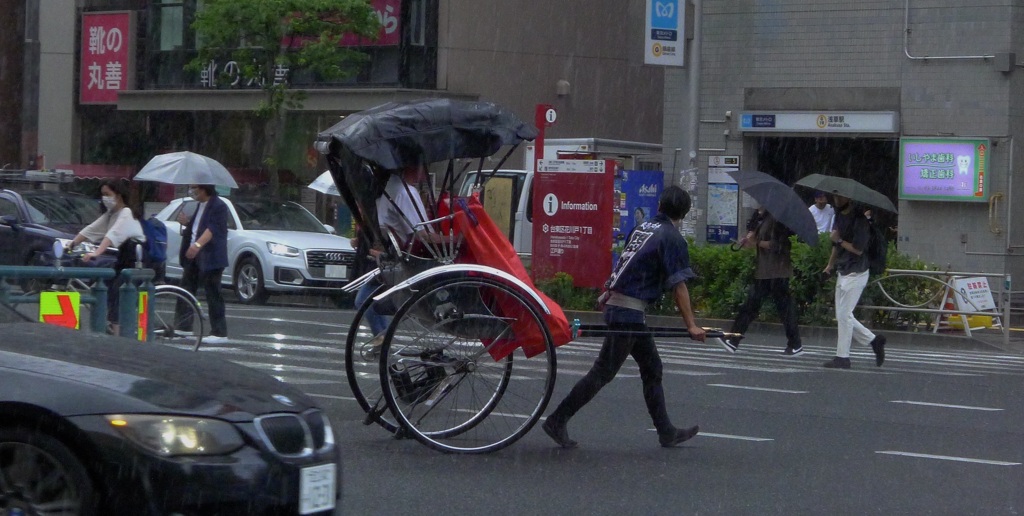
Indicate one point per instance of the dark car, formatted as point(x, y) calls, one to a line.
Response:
point(95, 424)
point(31, 220)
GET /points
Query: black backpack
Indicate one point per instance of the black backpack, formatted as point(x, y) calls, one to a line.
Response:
point(878, 250)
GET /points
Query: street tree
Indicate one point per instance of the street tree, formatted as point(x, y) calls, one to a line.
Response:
point(268, 41)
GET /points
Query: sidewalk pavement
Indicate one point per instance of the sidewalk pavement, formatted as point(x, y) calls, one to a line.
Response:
point(769, 333)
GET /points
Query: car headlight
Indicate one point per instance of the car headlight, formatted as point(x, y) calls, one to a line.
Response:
point(178, 435)
point(282, 250)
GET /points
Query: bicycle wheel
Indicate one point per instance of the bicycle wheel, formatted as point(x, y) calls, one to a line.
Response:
point(453, 369)
point(175, 318)
point(361, 370)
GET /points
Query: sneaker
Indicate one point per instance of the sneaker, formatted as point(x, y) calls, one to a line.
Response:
point(371, 350)
point(215, 339)
point(878, 346)
point(677, 436)
point(558, 433)
point(790, 352)
point(728, 344)
point(838, 363)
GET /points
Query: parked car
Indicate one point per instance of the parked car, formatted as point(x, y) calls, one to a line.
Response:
point(273, 247)
point(96, 424)
point(31, 220)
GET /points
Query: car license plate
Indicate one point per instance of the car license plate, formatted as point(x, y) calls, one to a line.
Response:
point(336, 271)
point(316, 489)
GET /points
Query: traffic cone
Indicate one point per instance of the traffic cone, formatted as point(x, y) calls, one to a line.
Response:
point(949, 304)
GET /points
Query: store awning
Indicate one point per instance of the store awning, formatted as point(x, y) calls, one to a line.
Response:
point(333, 100)
point(92, 171)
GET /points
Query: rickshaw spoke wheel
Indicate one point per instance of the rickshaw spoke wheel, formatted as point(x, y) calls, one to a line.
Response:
point(453, 369)
point(361, 369)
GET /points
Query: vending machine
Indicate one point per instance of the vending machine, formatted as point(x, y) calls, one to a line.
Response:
point(635, 197)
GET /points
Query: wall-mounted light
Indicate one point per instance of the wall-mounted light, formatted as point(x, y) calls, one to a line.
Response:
point(562, 88)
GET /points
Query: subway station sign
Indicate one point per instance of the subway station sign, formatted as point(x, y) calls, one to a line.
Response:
point(819, 121)
point(944, 169)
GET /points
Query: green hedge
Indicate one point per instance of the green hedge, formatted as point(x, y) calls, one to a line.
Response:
point(724, 277)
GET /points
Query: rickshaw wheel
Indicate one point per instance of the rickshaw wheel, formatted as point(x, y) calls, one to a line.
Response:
point(441, 382)
point(362, 373)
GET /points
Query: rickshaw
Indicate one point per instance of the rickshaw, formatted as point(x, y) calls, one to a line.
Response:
point(467, 363)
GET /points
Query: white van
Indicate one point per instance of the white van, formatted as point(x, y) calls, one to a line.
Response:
point(508, 198)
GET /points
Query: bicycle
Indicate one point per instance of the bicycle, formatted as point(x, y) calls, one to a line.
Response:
point(175, 314)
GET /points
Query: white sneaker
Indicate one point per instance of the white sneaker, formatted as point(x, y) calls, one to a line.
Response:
point(214, 339)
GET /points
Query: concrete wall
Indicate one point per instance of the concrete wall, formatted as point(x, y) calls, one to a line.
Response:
point(841, 55)
point(58, 27)
point(514, 51)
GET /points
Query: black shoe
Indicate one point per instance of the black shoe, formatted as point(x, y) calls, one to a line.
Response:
point(838, 363)
point(558, 433)
point(677, 436)
point(878, 346)
point(730, 345)
point(791, 352)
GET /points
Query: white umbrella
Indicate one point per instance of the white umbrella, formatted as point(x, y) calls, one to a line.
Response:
point(324, 183)
point(186, 168)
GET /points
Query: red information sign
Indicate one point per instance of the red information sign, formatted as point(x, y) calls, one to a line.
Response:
point(108, 48)
point(572, 222)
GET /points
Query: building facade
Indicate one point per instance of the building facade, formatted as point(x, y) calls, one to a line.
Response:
point(794, 87)
point(570, 54)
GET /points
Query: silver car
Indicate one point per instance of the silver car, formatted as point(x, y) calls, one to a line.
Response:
point(273, 247)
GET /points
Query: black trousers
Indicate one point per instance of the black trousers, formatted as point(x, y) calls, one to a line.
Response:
point(778, 289)
point(191, 279)
point(633, 340)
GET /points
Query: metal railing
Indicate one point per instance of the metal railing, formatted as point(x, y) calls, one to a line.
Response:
point(95, 297)
point(1001, 296)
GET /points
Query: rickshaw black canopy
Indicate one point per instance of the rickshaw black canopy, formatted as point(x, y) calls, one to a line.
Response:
point(366, 147)
point(401, 134)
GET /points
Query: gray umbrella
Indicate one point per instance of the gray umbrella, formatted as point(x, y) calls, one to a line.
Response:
point(186, 168)
point(850, 188)
point(780, 201)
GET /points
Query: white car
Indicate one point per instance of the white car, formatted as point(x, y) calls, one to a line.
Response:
point(273, 247)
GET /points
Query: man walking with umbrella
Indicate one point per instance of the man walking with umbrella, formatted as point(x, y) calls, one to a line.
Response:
point(849, 241)
point(770, 238)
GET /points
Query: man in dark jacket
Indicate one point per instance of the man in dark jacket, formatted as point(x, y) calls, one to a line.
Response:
point(771, 278)
point(204, 255)
point(655, 258)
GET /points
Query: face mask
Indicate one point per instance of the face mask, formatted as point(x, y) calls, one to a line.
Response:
point(109, 202)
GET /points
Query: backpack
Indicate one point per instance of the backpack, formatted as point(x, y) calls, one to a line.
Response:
point(878, 250)
point(156, 240)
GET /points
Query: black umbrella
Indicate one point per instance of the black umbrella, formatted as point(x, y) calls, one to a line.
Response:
point(847, 187)
point(399, 134)
point(365, 148)
point(780, 201)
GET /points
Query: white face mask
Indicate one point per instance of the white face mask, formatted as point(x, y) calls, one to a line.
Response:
point(109, 202)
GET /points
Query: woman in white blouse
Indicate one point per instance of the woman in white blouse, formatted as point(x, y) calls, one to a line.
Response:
point(116, 226)
point(113, 229)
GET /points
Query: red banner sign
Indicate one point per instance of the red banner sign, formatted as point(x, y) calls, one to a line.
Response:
point(389, 14)
point(108, 50)
point(572, 221)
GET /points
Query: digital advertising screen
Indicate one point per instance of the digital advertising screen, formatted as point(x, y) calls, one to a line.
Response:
point(937, 169)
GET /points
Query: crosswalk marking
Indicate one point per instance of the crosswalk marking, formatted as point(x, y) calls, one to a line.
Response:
point(324, 355)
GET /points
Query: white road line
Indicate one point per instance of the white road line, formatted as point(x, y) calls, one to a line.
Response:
point(784, 391)
point(943, 405)
point(946, 457)
point(738, 437)
point(330, 396)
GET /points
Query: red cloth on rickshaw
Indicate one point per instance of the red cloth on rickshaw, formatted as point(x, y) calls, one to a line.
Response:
point(485, 244)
